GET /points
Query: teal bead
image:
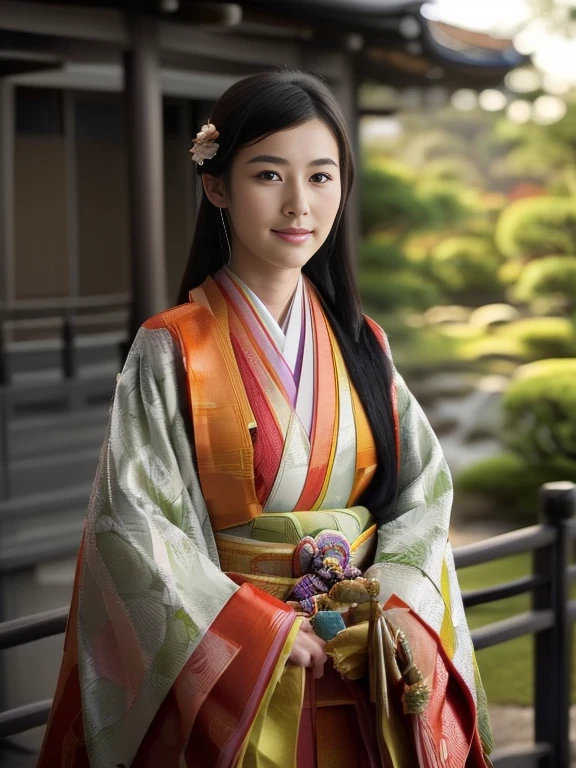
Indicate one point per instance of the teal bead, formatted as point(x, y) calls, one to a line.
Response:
point(327, 624)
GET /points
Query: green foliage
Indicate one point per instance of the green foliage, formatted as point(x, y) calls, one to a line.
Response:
point(467, 265)
point(444, 202)
point(380, 253)
point(512, 483)
point(495, 348)
point(543, 337)
point(540, 413)
point(391, 199)
point(383, 291)
point(388, 201)
point(510, 272)
point(550, 275)
point(537, 226)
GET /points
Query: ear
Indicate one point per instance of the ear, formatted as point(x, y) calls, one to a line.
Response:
point(215, 190)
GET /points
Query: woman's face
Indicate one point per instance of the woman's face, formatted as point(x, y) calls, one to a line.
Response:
point(287, 181)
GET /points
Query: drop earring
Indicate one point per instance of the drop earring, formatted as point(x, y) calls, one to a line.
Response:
point(226, 263)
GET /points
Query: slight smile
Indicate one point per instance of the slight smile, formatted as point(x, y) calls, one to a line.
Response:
point(292, 235)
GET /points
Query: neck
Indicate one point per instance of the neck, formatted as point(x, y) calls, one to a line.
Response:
point(275, 287)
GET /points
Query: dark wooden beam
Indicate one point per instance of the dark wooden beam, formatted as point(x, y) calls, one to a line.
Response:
point(103, 24)
point(7, 130)
point(145, 149)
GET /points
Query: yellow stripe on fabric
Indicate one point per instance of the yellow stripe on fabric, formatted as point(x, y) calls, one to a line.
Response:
point(447, 635)
point(339, 371)
point(272, 740)
point(365, 449)
point(483, 718)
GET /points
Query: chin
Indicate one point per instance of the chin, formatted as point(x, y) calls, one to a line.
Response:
point(292, 256)
point(292, 261)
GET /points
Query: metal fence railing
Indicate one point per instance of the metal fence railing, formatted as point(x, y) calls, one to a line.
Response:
point(549, 620)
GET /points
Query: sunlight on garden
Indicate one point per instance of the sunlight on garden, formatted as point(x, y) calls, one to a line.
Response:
point(468, 260)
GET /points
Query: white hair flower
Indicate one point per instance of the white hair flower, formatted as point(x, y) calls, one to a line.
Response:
point(204, 146)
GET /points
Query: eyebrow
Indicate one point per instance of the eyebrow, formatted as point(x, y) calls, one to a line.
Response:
point(283, 161)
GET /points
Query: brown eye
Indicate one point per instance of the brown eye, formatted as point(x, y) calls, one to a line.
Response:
point(325, 175)
point(267, 174)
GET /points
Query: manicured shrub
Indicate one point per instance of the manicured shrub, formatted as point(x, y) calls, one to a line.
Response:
point(467, 265)
point(444, 202)
point(537, 226)
point(540, 412)
point(542, 337)
point(548, 276)
point(510, 484)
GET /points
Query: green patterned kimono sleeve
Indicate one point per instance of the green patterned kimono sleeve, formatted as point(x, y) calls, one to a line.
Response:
point(150, 582)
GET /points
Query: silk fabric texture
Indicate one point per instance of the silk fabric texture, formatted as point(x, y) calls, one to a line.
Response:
point(159, 634)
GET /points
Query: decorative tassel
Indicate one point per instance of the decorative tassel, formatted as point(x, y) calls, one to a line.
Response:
point(416, 693)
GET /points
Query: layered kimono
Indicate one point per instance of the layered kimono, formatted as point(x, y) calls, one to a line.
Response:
point(230, 441)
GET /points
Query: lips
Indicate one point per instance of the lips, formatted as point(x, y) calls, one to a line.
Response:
point(293, 234)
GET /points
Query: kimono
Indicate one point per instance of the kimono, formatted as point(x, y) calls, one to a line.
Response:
point(232, 440)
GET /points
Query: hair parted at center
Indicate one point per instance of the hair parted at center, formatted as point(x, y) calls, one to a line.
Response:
point(246, 113)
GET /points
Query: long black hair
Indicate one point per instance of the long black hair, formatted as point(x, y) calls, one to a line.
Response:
point(247, 112)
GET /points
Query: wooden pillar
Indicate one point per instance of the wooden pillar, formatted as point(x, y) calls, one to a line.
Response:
point(145, 150)
point(7, 131)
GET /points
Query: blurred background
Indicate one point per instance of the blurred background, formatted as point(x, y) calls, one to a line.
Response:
point(463, 117)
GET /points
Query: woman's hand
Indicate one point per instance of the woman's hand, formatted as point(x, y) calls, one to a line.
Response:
point(308, 650)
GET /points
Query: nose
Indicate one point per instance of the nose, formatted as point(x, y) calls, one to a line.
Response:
point(296, 202)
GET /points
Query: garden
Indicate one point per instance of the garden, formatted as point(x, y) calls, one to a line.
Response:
point(468, 261)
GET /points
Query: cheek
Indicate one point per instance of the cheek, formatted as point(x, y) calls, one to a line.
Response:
point(253, 206)
point(328, 206)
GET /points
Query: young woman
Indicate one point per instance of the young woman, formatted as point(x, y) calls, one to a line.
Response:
point(262, 453)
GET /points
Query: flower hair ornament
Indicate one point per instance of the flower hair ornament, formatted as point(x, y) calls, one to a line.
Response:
point(204, 146)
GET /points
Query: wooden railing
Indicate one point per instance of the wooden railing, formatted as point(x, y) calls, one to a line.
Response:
point(56, 353)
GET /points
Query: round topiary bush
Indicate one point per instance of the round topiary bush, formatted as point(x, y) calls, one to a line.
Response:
point(466, 264)
point(508, 485)
point(540, 412)
point(444, 201)
point(537, 226)
point(552, 275)
point(542, 337)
